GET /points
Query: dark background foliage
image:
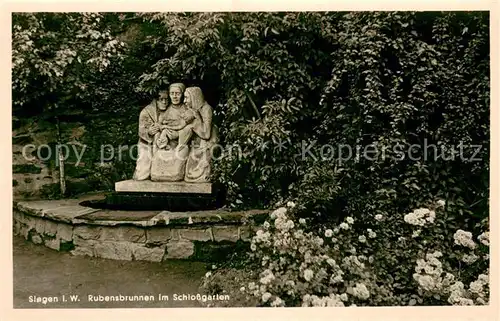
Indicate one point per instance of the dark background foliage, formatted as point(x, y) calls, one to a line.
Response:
point(300, 79)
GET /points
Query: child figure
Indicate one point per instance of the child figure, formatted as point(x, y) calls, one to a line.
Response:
point(176, 123)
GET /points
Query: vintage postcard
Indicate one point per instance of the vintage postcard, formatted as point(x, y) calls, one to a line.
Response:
point(274, 160)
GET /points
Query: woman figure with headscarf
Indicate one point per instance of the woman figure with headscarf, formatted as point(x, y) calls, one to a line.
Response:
point(198, 165)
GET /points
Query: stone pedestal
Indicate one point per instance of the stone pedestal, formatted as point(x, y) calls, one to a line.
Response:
point(147, 186)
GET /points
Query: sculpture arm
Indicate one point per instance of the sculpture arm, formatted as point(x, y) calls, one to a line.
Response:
point(203, 126)
point(145, 123)
point(175, 124)
point(190, 117)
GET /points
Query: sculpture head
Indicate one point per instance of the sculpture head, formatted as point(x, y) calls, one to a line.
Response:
point(176, 92)
point(162, 101)
point(193, 98)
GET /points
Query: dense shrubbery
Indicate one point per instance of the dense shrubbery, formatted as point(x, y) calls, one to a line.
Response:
point(388, 79)
point(391, 79)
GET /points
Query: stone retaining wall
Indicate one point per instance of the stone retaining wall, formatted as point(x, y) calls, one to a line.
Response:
point(64, 225)
point(35, 164)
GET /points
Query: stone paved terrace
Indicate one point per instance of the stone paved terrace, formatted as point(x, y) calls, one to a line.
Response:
point(65, 225)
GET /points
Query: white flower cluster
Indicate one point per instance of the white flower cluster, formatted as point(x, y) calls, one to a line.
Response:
point(478, 289)
point(261, 236)
point(266, 296)
point(469, 258)
point(353, 261)
point(282, 222)
point(344, 226)
point(464, 238)
point(429, 274)
point(337, 278)
point(308, 275)
point(280, 212)
point(336, 275)
point(420, 217)
point(318, 241)
point(252, 286)
point(361, 291)
point(458, 295)
point(353, 264)
point(277, 302)
point(484, 238)
point(267, 277)
point(476, 294)
point(333, 300)
point(416, 233)
point(371, 234)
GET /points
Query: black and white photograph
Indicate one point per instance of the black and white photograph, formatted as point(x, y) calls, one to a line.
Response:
point(244, 159)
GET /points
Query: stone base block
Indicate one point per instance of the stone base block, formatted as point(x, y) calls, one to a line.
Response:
point(163, 187)
point(114, 250)
point(154, 254)
point(181, 249)
point(52, 243)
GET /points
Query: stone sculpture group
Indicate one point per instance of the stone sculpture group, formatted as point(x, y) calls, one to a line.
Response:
point(176, 136)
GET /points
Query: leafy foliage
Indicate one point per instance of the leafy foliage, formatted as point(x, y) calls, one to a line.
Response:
point(390, 79)
point(291, 91)
point(57, 56)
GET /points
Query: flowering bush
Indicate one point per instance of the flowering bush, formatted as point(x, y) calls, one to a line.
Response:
point(380, 261)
